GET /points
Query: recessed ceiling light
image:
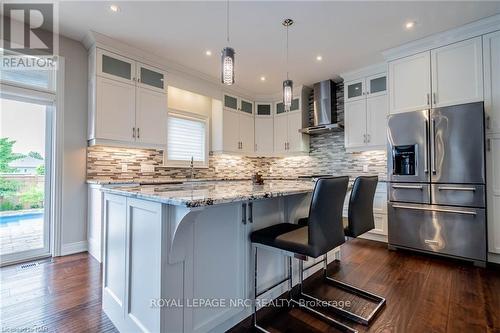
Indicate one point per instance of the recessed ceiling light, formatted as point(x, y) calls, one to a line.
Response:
point(263, 78)
point(410, 25)
point(114, 8)
point(319, 58)
point(208, 52)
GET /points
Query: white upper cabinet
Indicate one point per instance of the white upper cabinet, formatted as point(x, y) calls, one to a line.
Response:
point(491, 54)
point(296, 140)
point(355, 124)
point(410, 83)
point(115, 67)
point(149, 77)
point(151, 116)
point(457, 73)
point(127, 101)
point(354, 90)
point(264, 129)
point(247, 132)
point(280, 133)
point(287, 138)
point(376, 121)
point(115, 106)
point(365, 114)
point(230, 132)
point(448, 75)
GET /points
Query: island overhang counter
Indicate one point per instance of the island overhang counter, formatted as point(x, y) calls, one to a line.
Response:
point(177, 257)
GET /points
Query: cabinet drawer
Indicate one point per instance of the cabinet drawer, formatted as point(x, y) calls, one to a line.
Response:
point(458, 195)
point(443, 229)
point(409, 192)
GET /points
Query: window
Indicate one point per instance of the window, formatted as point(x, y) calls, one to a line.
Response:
point(187, 139)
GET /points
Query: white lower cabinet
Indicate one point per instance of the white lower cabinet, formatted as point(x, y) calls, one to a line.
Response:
point(491, 53)
point(95, 202)
point(132, 263)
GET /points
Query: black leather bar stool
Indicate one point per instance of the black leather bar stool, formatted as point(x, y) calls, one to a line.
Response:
point(323, 233)
point(360, 220)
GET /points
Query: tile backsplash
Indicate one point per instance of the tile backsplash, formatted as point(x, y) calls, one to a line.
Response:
point(327, 156)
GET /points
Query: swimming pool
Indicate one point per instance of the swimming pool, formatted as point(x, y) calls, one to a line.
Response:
point(17, 218)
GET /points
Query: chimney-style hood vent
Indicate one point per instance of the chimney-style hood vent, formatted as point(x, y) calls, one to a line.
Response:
point(324, 109)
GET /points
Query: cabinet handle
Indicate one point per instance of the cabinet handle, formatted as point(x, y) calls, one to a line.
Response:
point(138, 133)
point(434, 98)
point(364, 138)
point(488, 122)
point(428, 99)
point(250, 212)
point(488, 144)
point(369, 137)
point(244, 213)
point(133, 132)
point(448, 188)
point(241, 144)
point(285, 145)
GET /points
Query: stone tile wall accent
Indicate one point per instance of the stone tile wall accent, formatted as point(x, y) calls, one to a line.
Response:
point(327, 156)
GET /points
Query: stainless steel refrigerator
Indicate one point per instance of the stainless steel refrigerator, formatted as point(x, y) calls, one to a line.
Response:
point(436, 181)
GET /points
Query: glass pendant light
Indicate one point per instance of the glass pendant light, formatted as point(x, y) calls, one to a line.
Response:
point(287, 84)
point(227, 58)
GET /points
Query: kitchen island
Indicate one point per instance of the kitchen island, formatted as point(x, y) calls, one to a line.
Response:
point(177, 257)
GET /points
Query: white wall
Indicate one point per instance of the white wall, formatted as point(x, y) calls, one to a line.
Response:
point(74, 189)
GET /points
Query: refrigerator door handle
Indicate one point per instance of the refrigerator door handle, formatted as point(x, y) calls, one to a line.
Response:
point(433, 148)
point(412, 187)
point(449, 188)
point(426, 170)
point(440, 210)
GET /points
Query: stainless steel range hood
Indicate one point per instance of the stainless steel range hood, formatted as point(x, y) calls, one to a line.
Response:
point(324, 109)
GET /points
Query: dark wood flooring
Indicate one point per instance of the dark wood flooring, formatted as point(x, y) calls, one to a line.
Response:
point(424, 294)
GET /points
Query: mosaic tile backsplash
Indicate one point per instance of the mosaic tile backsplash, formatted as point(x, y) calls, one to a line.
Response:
point(327, 156)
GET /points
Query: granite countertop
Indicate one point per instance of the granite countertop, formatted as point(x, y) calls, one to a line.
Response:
point(199, 194)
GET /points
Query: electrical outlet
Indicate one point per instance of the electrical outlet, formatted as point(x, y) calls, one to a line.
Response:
point(147, 168)
point(124, 167)
point(365, 168)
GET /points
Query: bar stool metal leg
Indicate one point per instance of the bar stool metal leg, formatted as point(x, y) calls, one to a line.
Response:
point(303, 305)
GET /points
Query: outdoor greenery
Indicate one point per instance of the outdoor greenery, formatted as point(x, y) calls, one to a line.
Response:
point(33, 198)
point(6, 155)
point(15, 194)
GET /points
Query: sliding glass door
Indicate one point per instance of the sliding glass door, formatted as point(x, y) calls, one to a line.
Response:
point(25, 177)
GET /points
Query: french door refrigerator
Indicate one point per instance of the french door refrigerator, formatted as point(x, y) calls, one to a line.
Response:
point(436, 181)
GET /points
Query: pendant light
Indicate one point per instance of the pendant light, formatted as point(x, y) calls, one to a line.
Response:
point(287, 84)
point(227, 59)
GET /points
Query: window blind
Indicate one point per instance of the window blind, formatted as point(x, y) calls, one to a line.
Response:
point(186, 139)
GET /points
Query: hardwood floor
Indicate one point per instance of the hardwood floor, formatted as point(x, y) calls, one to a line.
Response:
point(424, 294)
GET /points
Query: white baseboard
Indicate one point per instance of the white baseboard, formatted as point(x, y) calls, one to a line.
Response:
point(494, 257)
point(75, 247)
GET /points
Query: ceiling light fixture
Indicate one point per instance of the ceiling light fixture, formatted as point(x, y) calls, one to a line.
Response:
point(114, 8)
point(263, 78)
point(319, 58)
point(227, 57)
point(410, 25)
point(287, 84)
point(208, 52)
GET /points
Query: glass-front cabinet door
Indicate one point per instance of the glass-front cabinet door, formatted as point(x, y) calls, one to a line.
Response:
point(355, 90)
point(246, 106)
point(295, 104)
point(376, 85)
point(115, 67)
point(230, 102)
point(263, 109)
point(280, 108)
point(151, 77)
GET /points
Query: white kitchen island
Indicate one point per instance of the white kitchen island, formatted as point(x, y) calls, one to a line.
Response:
point(177, 257)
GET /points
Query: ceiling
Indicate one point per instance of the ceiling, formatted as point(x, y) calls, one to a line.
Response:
point(348, 35)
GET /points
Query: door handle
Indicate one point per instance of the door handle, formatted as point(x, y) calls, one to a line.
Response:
point(426, 134)
point(449, 188)
point(244, 213)
point(440, 210)
point(250, 212)
point(133, 132)
point(433, 152)
point(408, 187)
